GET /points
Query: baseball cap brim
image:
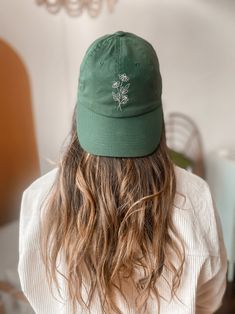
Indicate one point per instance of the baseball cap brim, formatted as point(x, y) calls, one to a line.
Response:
point(134, 136)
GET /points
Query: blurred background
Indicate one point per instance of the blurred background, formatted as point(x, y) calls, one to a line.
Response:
point(42, 43)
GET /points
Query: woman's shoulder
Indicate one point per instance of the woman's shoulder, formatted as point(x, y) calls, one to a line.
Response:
point(189, 182)
point(30, 210)
point(44, 182)
point(192, 189)
point(195, 214)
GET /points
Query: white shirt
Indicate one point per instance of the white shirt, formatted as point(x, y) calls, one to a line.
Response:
point(197, 221)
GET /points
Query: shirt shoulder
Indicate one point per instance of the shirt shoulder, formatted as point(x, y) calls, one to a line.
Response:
point(30, 210)
point(189, 182)
point(195, 215)
point(43, 182)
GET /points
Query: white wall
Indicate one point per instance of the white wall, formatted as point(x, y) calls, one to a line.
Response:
point(194, 40)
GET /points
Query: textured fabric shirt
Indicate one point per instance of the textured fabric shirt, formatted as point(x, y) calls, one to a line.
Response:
point(197, 222)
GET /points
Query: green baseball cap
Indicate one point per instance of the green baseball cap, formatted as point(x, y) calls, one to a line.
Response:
point(119, 108)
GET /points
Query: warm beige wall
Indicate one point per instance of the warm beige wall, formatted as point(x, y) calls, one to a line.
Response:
point(19, 163)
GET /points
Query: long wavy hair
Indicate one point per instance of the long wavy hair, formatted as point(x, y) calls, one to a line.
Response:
point(111, 217)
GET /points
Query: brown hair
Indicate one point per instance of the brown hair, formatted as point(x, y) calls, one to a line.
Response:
point(112, 216)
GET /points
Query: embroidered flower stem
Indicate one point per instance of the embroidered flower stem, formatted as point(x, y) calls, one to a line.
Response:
point(121, 95)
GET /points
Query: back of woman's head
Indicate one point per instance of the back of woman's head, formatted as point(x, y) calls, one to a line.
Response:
point(111, 217)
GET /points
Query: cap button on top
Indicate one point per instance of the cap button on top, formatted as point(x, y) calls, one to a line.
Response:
point(120, 33)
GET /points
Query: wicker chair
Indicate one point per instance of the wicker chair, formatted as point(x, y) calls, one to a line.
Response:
point(183, 138)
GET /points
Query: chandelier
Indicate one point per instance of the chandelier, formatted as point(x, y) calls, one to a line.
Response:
point(76, 7)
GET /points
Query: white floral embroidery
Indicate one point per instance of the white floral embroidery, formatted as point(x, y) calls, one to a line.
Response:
point(121, 95)
point(123, 77)
point(116, 84)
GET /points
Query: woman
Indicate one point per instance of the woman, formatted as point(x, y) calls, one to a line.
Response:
point(116, 227)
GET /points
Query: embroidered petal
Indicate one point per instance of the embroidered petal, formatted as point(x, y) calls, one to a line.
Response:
point(123, 77)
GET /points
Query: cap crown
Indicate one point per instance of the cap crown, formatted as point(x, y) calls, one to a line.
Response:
point(120, 77)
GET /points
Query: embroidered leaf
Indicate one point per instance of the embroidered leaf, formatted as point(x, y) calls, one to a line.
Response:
point(116, 84)
point(124, 100)
point(123, 90)
point(116, 97)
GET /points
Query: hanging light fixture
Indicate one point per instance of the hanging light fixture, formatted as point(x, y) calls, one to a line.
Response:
point(76, 7)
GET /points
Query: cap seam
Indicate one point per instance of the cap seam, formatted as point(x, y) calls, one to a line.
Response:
point(120, 51)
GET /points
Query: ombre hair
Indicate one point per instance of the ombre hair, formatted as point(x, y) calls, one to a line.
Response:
point(111, 217)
